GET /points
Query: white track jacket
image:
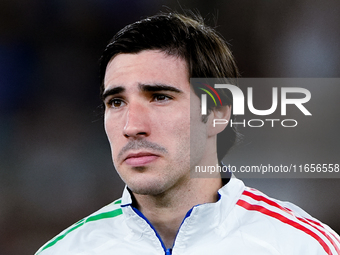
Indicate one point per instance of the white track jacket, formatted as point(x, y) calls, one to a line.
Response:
point(243, 221)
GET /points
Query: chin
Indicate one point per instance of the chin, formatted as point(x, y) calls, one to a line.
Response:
point(146, 190)
point(150, 186)
point(149, 181)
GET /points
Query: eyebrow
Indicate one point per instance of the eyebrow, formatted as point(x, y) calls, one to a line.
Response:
point(158, 87)
point(143, 88)
point(112, 91)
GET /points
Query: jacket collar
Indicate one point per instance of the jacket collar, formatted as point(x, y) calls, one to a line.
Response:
point(200, 219)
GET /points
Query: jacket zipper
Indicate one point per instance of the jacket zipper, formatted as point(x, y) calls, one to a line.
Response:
point(168, 251)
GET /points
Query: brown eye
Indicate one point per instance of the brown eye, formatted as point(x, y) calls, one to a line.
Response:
point(161, 97)
point(115, 103)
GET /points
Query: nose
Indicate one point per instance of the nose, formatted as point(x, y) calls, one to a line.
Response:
point(137, 123)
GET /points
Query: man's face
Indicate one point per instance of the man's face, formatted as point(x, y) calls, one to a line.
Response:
point(147, 120)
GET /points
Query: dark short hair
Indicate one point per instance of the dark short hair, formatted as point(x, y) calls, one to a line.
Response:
point(205, 52)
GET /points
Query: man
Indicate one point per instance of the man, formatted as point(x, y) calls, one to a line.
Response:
point(151, 112)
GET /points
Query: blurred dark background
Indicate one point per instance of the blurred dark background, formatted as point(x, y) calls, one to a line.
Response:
point(55, 163)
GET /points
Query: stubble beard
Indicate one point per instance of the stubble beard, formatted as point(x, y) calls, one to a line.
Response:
point(167, 180)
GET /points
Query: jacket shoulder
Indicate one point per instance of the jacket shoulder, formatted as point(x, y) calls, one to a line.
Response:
point(286, 222)
point(84, 231)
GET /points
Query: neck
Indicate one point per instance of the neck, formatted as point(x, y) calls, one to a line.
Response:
point(166, 211)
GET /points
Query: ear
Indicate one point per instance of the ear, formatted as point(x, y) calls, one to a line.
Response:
point(219, 119)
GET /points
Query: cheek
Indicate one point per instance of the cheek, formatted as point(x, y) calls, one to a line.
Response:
point(198, 135)
point(179, 122)
point(107, 127)
point(181, 131)
point(112, 131)
point(172, 130)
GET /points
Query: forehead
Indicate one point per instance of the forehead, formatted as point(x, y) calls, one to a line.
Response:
point(146, 67)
